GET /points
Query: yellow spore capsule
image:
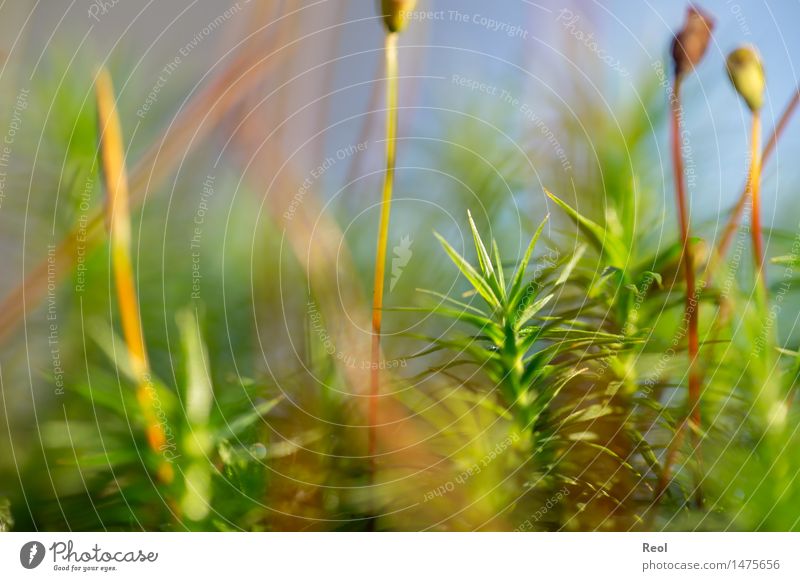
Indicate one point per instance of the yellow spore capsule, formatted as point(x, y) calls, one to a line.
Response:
point(747, 75)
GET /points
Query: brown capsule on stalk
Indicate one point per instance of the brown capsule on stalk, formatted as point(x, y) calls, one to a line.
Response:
point(690, 44)
point(396, 13)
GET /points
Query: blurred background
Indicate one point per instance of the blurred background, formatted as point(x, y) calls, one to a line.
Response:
point(254, 143)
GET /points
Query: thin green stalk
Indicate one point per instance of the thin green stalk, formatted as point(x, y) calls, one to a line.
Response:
point(383, 236)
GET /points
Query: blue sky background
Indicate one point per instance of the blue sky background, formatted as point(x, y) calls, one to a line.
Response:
point(542, 63)
point(636, 34)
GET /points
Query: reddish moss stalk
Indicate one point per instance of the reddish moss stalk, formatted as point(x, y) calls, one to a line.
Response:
point(691, 311)
point(733, 222)
point(755, 196)
point(692, 304)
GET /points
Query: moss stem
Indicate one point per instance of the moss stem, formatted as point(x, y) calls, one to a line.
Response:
point(733, 222)
point(754, 188)
point(119, 228)
point(691, 310)
point(383, 236)
point(692, 304)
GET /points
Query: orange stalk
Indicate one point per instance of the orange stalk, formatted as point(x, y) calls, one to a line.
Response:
point(692, 305)
point(119, 231)
point(733, 222)
point(205, 111)
point(691, 309)
point(754, 188)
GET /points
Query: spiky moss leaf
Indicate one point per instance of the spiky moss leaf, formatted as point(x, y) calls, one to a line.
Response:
point(601, 238)
point(453, 301)
point(566, 272)
point(480, 322)
point(485, 261)
point(519, 275)
point(241, 422)
point(500, 276)
point(472, 275)
point(115, 349)
point(788, 260)
point(544, 399)
point(532, 310)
